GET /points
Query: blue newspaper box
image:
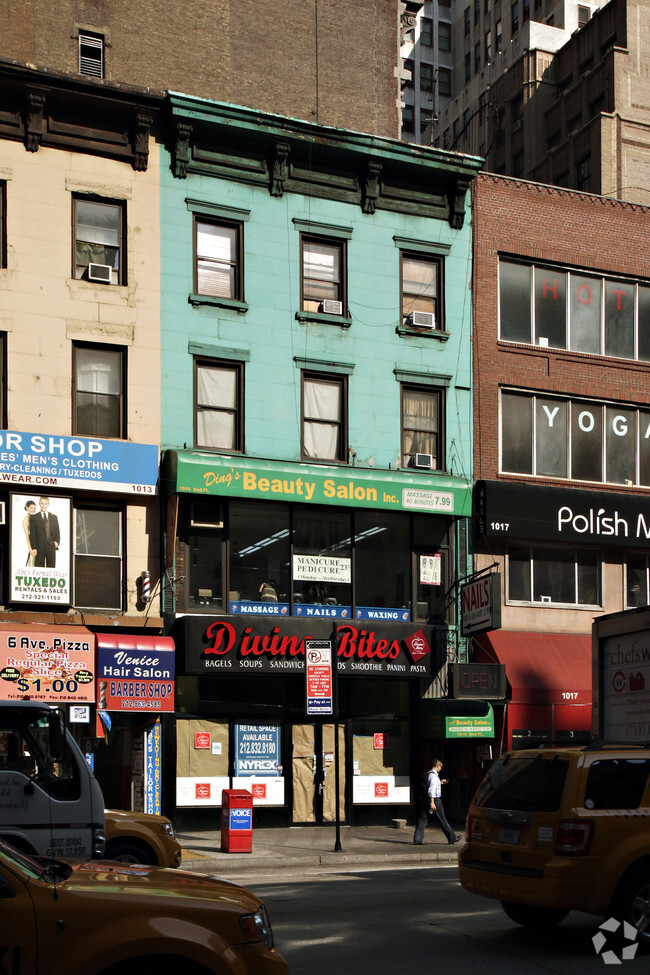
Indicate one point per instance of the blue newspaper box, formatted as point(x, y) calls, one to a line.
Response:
point(236, 821)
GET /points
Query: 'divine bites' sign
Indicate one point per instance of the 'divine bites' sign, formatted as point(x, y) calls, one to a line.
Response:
point(225, 645)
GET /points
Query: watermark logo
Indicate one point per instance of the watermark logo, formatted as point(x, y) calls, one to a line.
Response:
point(615, 934)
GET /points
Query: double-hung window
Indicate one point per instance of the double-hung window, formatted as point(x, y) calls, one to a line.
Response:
point(420, 289)
point(324, 417)
point(323, 273)
point(422, 426)
point(98, 558)
point(99, 384)
point(218, 261)
point(218, 405)
point(99, 240)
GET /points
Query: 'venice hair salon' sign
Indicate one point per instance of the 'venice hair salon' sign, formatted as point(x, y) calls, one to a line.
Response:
point(562, 514)
point(234, 646)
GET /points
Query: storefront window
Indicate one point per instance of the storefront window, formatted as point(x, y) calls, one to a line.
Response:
point(382, 571)
point(380, 755)
point(322, 558)
point(259, 553)
point(201, 762)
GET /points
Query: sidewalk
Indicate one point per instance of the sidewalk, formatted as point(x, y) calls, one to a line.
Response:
point(304, 846)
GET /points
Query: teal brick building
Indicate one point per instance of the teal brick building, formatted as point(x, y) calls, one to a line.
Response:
point(317, 450)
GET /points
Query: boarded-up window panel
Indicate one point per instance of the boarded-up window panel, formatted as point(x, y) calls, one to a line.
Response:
point(392, 760)
point(201, 762)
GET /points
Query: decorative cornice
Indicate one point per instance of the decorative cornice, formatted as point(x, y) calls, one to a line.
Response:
point(294, 156)
point(59, 111)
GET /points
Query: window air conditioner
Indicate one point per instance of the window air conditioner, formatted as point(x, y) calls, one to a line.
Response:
point(100, 272)
point(423, 460)
point(423, 319)
point(331, 307)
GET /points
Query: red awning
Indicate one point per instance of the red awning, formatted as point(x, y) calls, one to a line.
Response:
point(542, 668)
point(134, 641)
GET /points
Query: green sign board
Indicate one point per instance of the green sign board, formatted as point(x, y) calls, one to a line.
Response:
point(438, 723)
point(470, 726)
point(191, 472)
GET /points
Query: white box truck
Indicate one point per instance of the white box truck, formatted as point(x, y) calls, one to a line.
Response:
point(50, 802)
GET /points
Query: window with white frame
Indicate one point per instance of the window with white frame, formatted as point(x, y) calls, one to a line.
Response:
point(581, 311)
point(91, 54)
point(99, 384)
point(422, 426)
point(218, 404)
point(324, 417)
point(218, 260)
point(99, 240)
point(567, 577)
point(580, 440)
point(98, 558)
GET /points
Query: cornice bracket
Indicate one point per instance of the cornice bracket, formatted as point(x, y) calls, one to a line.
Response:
point(34, 120)
point(456, 199)
point(182, 149)
point(142, 129)
point(279, 168)
point(370, 189)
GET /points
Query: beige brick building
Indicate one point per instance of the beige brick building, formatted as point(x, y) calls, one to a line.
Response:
point(81, 357)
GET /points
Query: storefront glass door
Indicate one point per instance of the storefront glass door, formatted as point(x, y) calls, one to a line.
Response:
point(313, 773)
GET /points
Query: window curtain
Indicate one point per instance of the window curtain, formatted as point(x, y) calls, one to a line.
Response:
point(216, 399)
point(420, 411)
point(322, 411)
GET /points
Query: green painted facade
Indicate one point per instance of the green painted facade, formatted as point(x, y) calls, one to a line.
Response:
point(222, 168)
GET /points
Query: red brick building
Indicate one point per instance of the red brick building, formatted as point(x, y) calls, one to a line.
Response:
point(561, 302)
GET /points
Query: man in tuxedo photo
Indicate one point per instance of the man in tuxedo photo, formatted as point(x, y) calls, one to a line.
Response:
point(44, 535)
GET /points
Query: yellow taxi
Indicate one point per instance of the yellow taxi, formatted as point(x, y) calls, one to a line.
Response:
point(135, 837)
point(551, 830)
point(73, 917)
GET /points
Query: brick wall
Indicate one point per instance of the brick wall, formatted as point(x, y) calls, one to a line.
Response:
point(545, 223)
point(331, 61)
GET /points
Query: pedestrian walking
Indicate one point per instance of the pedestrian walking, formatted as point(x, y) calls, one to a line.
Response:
point(433, 807)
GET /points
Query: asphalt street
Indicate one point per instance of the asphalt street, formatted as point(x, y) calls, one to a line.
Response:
point(398, 919)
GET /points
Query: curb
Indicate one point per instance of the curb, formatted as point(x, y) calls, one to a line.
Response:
point(202, 863)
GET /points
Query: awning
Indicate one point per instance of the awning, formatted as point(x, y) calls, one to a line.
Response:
point(135, 641)
point(135, 672)
point(541, 668)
